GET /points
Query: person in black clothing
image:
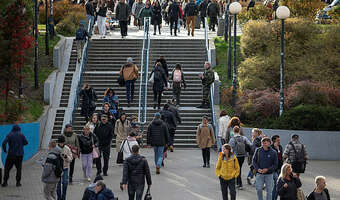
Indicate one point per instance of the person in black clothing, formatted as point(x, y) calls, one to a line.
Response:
point(164, 65)
point(276, 146)
point(164, 13)
point(90, 11)
point(288, 183)
point(173, 13)
point(110, 116)
point(203, 11)
point(169, 118)
point(320, 192)
point(158, 137)
point(136, 170)
point(160, 83)
point(156, 18)
point(213, 11)
point(89, 99)
point(122, 15)
point(104, 133)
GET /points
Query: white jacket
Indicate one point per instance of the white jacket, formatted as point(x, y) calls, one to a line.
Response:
point(126, 150)
point(223, 126)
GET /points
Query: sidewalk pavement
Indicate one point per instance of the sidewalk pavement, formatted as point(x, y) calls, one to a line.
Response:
point(183, 178)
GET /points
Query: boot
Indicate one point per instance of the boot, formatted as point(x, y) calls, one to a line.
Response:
point(170, 31)
point(158, 170)
point(154, 106)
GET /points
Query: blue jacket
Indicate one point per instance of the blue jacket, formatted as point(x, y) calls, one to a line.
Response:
point(105, 194)
point(267, 159)
point(16, 142)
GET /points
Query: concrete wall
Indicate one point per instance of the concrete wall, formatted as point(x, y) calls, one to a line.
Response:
point(49, 87)
point(58, 53)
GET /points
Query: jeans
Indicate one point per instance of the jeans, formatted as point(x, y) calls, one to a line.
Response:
point(90, 17)
point(86, 160)
point(80, 46)
point(275, 177)
point(61, 192)
point(105, 153)
point(206, 155)
point(123, 28)
point(10, 161)
point(101, 25)
point(158, 155)
point(213, 22)
point(225, 184)
point(130, 89)
point(239, 179)
point(176, 92)
point(172, 136)
point(135, 189)
point(173, 23)
point(157, 96)
point(261, 180)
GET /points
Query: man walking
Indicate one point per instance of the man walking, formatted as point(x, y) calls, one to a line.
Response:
point(296, 155)
point(81, 35)
point(173, 13)
point(135, 171)
point(191, 11)
point(169, 118)
point(203, 11)
point(265, 163)
point(89, 11)
point(320, 192)
point(276, 146)
point(16, 142)
point(213, 11)
point(122, 15)
point(104, 133)
point(130, 74)
point(158, 137)
point(208, 77)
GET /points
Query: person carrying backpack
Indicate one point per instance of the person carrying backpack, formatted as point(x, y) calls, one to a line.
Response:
point(160, 83)
point(295, 154)
point(240, 145)
point(81, 35)
point(52, 171)
point(178, 82)
point(205, 139)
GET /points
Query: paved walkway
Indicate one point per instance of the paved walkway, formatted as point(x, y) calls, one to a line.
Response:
point(183, 178)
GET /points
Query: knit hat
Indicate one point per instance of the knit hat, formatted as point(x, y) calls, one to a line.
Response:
point(158, 115)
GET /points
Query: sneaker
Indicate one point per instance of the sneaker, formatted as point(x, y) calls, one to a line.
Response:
point(240, 188)
point(204, 166)
point(158, 170)
point(105, 174)
point(154, 33)
point(18, 184)
point(249, 180)
point(121, 186)
point(89, 179)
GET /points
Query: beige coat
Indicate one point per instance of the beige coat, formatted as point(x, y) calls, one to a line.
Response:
point(68, 156)
point(121, 132)
point(205, 137)
point(130, 72)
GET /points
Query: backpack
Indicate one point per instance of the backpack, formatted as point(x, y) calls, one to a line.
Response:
point(240, 146)
point(177, 76)
point(80, 35)
point(58, 163)
point(299, 161)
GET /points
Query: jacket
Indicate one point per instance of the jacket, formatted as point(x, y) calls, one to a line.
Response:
point(169, 118)
point(203, 8)
point(191, 9)
point(102, 11)
point(48, 175)
point(267, 159)
point(164, 66)
point(110, 118)
point(289, 151)
point(136, 8)
point(104, 133)
point(126, 146)
point(122, 11)
point(227, 169)
point(289, 193)
point(129, 71)
point(113, 101)
point(71, 140)
point(159, 85)
point(89, 96)
point(312, 197)
point(279, 157)
point(90, 192)
point(89, 8)
point(157, 134)
point(173, 11)
point(213, 10)
point(121, 130)
point(105, 194)
point(174, 110)
point(136, 170)
point(145, 12)
point(223, 126)
point(208, 77)
point(205, 137)
point(86, 142)
point(156, 18)
point(233, 142)
point(66, 155)
point(16, 142)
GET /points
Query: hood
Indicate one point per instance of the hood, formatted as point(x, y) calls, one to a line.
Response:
point(157, 122)
point(55, 150)
point(134, 159)
point(107, 193)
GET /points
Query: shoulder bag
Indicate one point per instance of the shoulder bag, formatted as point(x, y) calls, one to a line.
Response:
point(120, 155)
point(148, 195)
point(121, 80)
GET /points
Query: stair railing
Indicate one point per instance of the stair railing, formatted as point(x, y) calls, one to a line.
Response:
point(143, 85)
point(212, 87)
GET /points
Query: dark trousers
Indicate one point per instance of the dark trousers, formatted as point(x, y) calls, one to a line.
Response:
point(203, 21)
point(72, 168)
point(130, 89)
point(206, 155)
point(123, 28)
point(172, 132)
point(155, 28)
point(213, 22)
point(10, 161)
point(225, 184)
point(105, 153)
point(173, 24)
point(135, 189)
point(240, 162)
point(157, 96)
point(176, 92)
point(0, 175)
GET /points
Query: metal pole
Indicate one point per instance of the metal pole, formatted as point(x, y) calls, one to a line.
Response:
point(282, 68)
point(51, 22)
point(226, 25)
point(47, 28)
point(36, 83)
point(234, 69)
point(229, 48)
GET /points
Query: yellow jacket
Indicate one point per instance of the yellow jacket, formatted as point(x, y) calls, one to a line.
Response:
point(227, 169)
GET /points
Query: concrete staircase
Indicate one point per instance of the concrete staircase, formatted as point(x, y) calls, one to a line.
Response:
point(106, 56)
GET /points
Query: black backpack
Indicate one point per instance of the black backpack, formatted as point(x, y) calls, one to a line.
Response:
point(58, 163)
point(157, 75)
point(80, 34)
point(299, 161)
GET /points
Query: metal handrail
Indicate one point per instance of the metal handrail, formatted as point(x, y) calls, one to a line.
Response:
point(143, 85)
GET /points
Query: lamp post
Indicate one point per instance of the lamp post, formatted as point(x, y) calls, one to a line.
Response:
point(282, 13)
point(36, 10)
point(234, 8)
point(47, 28)
point(229, 42)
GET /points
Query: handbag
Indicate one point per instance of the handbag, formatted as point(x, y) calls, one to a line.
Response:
point(121, 81)
point(300, 194)
point(120, 155)
point(95, 151)
point(152, 78)
point(148, 195)
point(74, 150)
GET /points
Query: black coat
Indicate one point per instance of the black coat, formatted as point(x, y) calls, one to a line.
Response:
point(85, 143)
point(175, 111)
point(89, 8)
point(156, 18)
point(164, 66)
point(311, 195)
point(135, 170)
point(111, 118)
point(122, 12)
point(158, 134)
point(174, 11)
point(89, 99)
point(169, 118)
point(102, 11)
point(289, 193)
point(203, 9)
point(104, 133)
point(213, 10)
point(158, 85)
point(191, 9)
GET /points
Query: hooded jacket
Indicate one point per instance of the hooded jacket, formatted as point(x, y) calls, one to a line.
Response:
point(135, 170)
point(157, 134)
point(227, 169)
point(104, 133)
point(122, 11)
point(48, 175)
point(105, 194)
point(16, 142)
point(86, 142)
point(169, 118)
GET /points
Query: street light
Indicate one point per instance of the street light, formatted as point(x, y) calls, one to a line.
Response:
point(229, 40)
point(282, 13)
point(234, 8)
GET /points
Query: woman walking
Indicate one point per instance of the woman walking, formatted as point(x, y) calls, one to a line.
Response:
point(227, 169)
point(205, 139)
point(89, 99)
point(71, 140)
point(178, 82)
point(93, 122)
point(156, 19)
point(223, 126)
point(146, 11)
point(121, 130)
point(160, 83)
point(288, 183)
point(101, 17)
point(87, 143)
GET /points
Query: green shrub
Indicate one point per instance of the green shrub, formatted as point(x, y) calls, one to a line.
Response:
point(258, 12)
point(303, 8)
point(66, 27)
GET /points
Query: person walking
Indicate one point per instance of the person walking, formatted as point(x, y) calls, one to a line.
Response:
point(256, 143)
point(208, 77)
point(276, 146)
point(49, 177)
point(122, 15)
point(121, 130)
point(127, 145)
point(16, 141)
point(66, 155)
point(240, 144)
point(93, 122)
point(104, 133)
point(89, 11)
point(106, 112)
point(164, 65)
point(71, 140)
point(101, 18)
point(205, 139)
point(190, 12)
point(130, 74)
point(223, 124)
point(156, 19)
point(234, 121)
point(288, 183)
point(320, 192)
point(203, 11)
point(175, 111)
point(87, 143)
point(134, 129)
point(295, 154)
point(213, 11)
point(146, 11)
point(265, 163)
point(81, 35)
point(89, 99)
point(136, 170)
point(178, 81)
point(227, 169)
point(157, 137)
point(111, 98)
point(173, 13)
point(160, 83)
point(137, 6)
point(170, 119)
point(102, 192)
